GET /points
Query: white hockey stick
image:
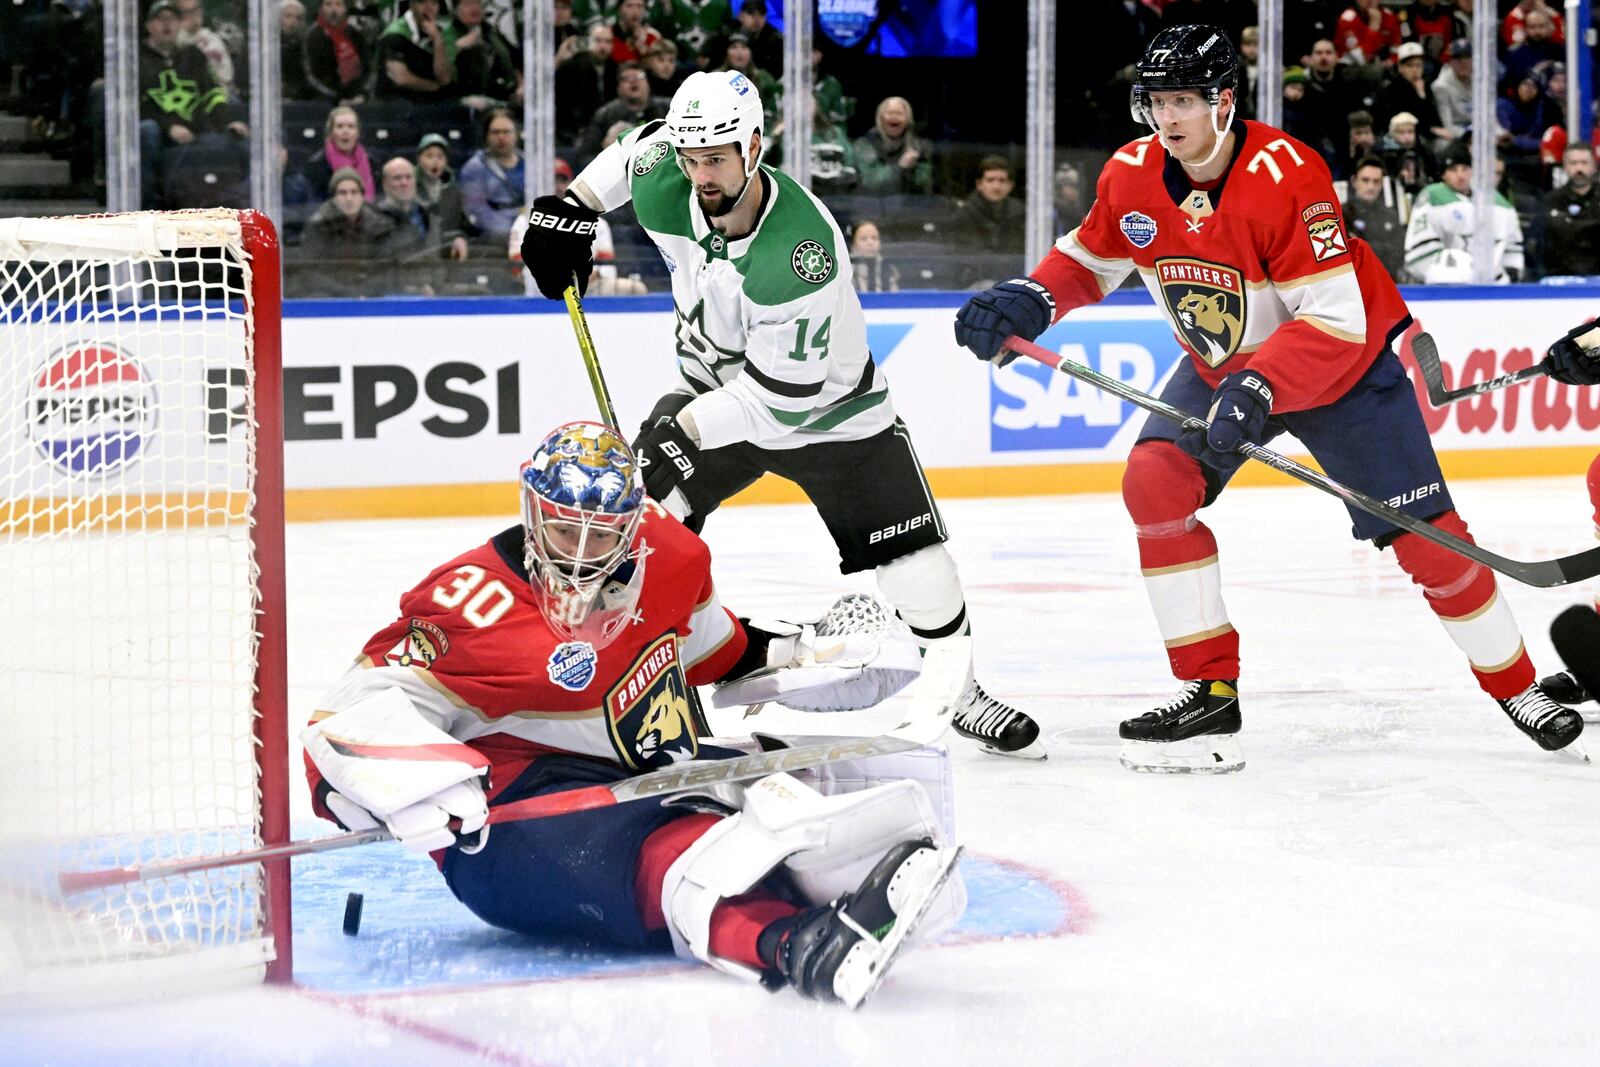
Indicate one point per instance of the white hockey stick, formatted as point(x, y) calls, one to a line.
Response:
point(930, 702)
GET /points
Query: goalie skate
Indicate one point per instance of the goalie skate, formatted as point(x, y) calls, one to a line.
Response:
point(1196, 732)
point(843, 951)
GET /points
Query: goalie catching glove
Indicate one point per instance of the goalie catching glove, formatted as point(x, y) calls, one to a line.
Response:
point(856, 656)
point(387, 765)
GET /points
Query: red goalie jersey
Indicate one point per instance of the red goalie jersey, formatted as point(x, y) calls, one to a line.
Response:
point(1254, 269)
point(471, 650)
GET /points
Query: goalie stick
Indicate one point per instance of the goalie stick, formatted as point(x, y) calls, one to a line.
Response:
point(1542, 573)
point(946, 670)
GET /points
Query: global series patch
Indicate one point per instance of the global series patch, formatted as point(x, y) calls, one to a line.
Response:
point(1138, 228)
point(572, 665)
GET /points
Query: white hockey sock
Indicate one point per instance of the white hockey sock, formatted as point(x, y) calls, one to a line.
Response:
point(925, 590)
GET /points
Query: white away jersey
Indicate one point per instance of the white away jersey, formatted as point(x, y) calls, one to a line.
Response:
point(770, 335)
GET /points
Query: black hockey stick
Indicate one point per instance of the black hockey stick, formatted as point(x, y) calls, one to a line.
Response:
point(946, 672)
point(1542, 573)
point(1427, 354)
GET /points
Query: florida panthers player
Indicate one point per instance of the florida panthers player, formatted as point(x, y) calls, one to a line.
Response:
point(772, 349)
point(1288, 324)
point(559, 655)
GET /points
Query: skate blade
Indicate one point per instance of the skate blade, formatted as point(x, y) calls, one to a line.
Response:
point(1574, 752)
point(1032, 750)
point(1210, 754)
point(892, 945)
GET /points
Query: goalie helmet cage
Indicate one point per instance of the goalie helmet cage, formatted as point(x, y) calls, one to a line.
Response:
point(141, 588)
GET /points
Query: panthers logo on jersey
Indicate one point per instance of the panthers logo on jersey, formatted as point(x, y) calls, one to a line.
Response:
point(1206, 302)
point(648, 710)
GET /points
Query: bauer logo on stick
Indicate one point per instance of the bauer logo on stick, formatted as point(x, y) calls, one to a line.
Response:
point(91, 409)
point(812, 262)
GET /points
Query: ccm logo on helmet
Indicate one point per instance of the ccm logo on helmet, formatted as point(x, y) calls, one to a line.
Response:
point(551, 222)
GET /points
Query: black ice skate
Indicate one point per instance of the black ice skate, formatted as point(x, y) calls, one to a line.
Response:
point(1552, 726)
point(1194, 732)
point(998, 727)
point(841, 951)
point(1563, 688)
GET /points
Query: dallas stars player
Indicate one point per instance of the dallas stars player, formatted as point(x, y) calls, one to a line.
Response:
point(773, 353)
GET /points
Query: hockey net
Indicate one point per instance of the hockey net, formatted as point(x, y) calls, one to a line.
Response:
point(141, 577)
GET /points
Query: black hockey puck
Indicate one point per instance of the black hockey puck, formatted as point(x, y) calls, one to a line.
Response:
point(1576, 635)
point(352, 915)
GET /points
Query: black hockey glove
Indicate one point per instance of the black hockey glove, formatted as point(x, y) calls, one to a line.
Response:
point(1239, 410)
point(1020, 306)
point(666, 458)
point(1571, 362)
point(558, 243)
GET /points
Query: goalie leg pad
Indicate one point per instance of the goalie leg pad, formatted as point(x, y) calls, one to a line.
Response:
point(828, 843)
point(925, 589)
point(929, 767)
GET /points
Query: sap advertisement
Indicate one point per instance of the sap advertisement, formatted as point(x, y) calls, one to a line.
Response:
point(395, 393)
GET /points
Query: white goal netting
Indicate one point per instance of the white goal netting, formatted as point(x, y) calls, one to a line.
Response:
point(129, 591)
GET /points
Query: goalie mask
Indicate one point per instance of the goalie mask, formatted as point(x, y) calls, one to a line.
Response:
point(582, 501)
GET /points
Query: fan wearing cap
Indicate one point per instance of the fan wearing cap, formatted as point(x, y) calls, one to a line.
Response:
point(1407, 90)
point(1288, 323)
point(1452, 89)
point(771, 348)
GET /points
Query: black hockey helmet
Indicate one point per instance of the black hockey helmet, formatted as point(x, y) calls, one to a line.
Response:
point(1184, 57)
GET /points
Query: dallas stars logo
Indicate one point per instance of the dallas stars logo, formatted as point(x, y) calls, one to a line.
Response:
point(181, 96)
point(692, 342)
point(652, 155)
point(812, 262)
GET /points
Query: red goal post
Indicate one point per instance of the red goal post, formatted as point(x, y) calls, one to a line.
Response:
point(141, 580)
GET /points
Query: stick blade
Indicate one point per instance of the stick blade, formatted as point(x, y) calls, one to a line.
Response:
point(1427, 356)
point(1576, 635)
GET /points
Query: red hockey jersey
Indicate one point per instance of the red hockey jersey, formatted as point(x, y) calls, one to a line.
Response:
point(475, 656)
point(1255, 270)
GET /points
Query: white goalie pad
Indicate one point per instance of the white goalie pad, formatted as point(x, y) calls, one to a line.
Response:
point(383, 755)
point(856, 656)
point(828, 843)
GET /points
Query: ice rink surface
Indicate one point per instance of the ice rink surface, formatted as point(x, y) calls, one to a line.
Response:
point(1398, 876)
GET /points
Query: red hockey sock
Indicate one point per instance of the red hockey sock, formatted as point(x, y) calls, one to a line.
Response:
point(736, 923)
point(1162, 488)
point(660, 851)
point(1467, 600)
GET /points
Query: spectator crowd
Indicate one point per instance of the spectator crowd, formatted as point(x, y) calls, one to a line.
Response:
point(402, 128)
